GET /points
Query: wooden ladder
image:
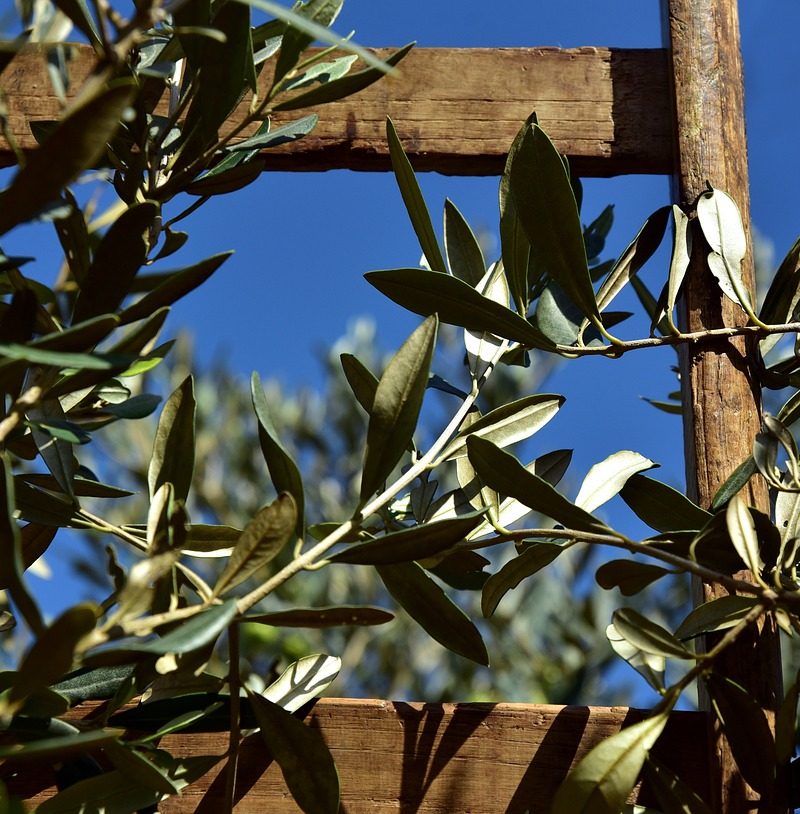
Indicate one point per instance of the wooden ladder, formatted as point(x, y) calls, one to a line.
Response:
point(676, 111)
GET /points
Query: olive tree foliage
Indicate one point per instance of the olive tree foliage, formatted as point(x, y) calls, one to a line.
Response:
point(193, 575)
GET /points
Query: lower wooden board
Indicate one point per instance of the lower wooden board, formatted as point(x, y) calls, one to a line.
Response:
point(456, 110)
point(427, 758)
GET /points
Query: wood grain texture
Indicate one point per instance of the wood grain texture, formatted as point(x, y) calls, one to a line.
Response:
point(456, 110)
point(432, 758)
point(723, 410)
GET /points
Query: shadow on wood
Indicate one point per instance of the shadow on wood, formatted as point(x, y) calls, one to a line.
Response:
point(414, 758)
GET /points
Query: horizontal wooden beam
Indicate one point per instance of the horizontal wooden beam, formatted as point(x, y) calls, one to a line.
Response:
point(456, 110)
point(427, 758)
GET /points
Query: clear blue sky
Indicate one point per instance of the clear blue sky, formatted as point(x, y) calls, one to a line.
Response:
point(304, 240)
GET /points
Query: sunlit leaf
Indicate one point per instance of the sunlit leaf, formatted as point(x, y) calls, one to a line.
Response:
point(283, 470)
point(261, 541)
point(650, 666)
point(648, 636)
point(743, 534)
point(545, 204)
point(484, 348)
point(414, 543)
point(343, 87)
point(428, 605)
point(535, 557)
point(97, 685)
point(302, 755)
point(662, 507)
point(281, 135)
point(76, 143)
point(507, 424)
point(396, 407)
point(607, 478)
point(679, 264)
point(734, 483)
point(413, 200)
point(303, 681)
point(602, 781)
point(629, 576)
point(172, 460)
point(455, 303)
point(503, 472)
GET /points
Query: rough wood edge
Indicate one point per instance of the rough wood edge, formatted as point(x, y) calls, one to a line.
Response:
point(426, 758)
point(457, 110)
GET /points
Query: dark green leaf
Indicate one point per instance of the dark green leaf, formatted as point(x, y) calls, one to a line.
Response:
point(427, 603)
point(556, 316)
point(282, 468)
point(121, 253)
point(464, 255)
point(546, 206)
point(398, 400)
point(281, 135)
point(297, 38)
point(734, 483)
point(35, 539)
point(135, 766)
point(413, 200)
point(362, 381)
point(173, 288)
point(718, 614)
point(748, 733)
point(51, 655)
point(648, 636)
point(786, 724)
point(56, 358)
point(54, 448)
point(196, 632)
point(110, 792)
point(261, 541)
point(662, 507)
point(75, 144)
point(502, 471)
point(60, 747)
point(339, 616)
point(602, 781)
point(78, 337)
point(535, 557)
point(415, 543)
point(221, 181)
point(455, 302)
point(303, 757)
point(343, 87)
point(172, 460)
point(628, 575)
point(83, 487)
point(674, 796)
point(93, 685)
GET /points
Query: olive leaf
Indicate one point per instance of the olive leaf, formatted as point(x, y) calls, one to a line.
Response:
point(362, 381)
point(398, 399)
point(602, 781)
point(283, 470)
point(628, 576)
point(302, 681)
point(464, 254)
point(262, 539)
point(172, 460)
point(717, 614)
point(662, 507)
point(607, 478)
point(337, 616)
point(742, 530)
point(484, 348)
point(650, 666)
point(648, 636)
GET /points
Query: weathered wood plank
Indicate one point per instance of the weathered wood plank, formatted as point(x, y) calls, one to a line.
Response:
point(432, 758)
point(457, 110)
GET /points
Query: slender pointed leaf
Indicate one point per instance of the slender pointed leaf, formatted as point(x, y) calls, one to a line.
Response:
point(464, 255)
point(679, 264)
point(535, 557)
point(607, 478)
point(484, 348)
point(734, 483)
point(261, 541)
point(428, 605)
point(503, 472)
point(283, 470)
point(56, 452)
point(674, 796)
point(301, 754)
point(338, 616)
point(783, 296)
point(545, 204)
point(362, 381)
point(281, 135)
point(454, 302)
point(648, 636)
point(602, 781)
point(410, 544)
point(75, 144)
point(508, 424)
point(398, 400)
point(742, 530)
point(629, 576)
point(718, 614)
point(662, 507)
point(172, 460)
point(650, 667)
point(413, 200)
point(303, 681)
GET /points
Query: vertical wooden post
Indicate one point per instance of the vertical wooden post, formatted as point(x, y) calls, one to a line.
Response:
point(721, 401)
